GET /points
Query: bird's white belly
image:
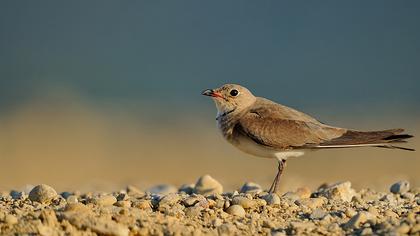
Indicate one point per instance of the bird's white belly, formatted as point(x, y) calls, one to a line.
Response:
point(247, 145)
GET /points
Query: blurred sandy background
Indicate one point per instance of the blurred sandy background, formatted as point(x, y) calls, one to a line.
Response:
point(99, 95)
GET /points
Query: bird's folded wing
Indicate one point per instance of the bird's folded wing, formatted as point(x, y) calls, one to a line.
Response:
point(278, 133)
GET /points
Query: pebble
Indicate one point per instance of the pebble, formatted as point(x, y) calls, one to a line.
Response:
point(391, 214)
point(169, 199)
point(187, 188)
point(206, 185)
point(409, 196)
point(400, 187)
point(303, 192)
point(65, 195)
point(358, 219)
point(271, 199)
point(133, 190)
point(244, 202)
point(125, 204)
point(72, 199)
point(236, 210)
point(143, 204)
point(339, 191)
point(194, 211)
point(415, 229)
point(311, 203)
point(251, 187)
point(350, 212)
point(106, 200)
point(42, 194)
point(163, 189)
point(17, 194)
point(11, 219)
point(403, 228)
point(317, 214)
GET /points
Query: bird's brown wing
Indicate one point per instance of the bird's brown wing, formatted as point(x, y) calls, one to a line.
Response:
point(277, 133)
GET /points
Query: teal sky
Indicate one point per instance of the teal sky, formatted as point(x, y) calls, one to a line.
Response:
point(302, 53)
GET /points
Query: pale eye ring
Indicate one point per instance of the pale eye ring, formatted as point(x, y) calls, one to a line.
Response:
point(234, 92)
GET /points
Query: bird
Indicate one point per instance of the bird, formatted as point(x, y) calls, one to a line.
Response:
point(264, 128)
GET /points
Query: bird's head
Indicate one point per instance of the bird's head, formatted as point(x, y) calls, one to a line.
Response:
point(230, 98)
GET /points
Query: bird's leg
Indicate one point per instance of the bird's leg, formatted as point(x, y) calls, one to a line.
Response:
point(275, 184)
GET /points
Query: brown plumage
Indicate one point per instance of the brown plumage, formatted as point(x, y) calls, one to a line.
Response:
point(264, 128)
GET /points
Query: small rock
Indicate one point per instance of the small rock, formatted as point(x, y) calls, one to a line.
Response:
point(132, 190)
point(10, 219)
point(244, 202)
point(271, 199)
point(250, 187)
point(403, 228)
point(339, 191)
point(65, 195)
point(217, 222)
point(400, 187)
point(122, 197)
point(72, 199)
point(107, 200)
point(236, 210)
point(415, 229)
point(143, 204)
point(77, 207)
point(124, 204)
point(372, 210)
point(317, 214)
point(163, 189)
point(358, 219)
point(409, 196)
point(169, 199)
point(278, 233)
point(42, 194)
point(391, 214)
point(311, 203)
point(193, 211)
point(350, 212)
point(292, 196)
point(366, 231)
point(187, 188)
point(303, 192)
point(206, 185)
point(17, 194)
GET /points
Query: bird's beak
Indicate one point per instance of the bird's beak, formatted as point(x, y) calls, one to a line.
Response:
point(211, 93)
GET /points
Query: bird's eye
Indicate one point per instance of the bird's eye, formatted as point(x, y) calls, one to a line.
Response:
point(234, 92)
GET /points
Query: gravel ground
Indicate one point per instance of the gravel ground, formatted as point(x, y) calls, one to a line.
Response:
point(204, 209)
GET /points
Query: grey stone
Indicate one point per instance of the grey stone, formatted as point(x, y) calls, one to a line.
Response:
point(187, 188)
point(400, 187)
point(163, 189)
point(42, 194)
point(251, 187)
point(17, 194)
point(271, 199)
point(317, 214)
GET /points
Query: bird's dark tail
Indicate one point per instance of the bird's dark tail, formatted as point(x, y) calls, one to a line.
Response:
point(382, 139)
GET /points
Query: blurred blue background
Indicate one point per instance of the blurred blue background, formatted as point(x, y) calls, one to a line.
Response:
point(329, 53)
point(81, 80)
